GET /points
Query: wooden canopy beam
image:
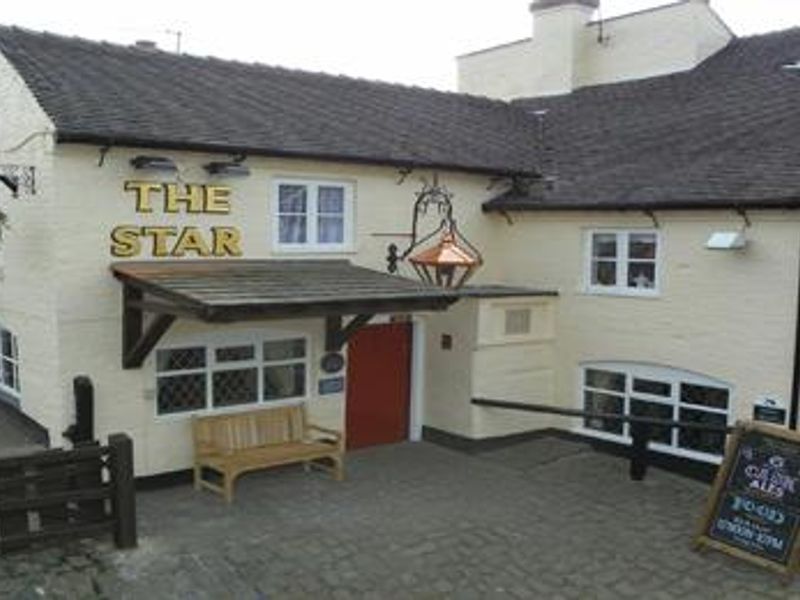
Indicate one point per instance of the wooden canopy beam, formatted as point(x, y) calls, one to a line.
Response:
point(138, 340)
point(337, 335)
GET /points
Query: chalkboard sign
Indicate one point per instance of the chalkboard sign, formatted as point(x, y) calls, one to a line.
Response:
point(754, 508)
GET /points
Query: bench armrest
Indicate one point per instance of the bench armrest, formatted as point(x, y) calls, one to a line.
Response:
point(336, 435)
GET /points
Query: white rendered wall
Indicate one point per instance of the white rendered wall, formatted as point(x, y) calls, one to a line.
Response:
point(28, 257)
point(729, 315)
point(654, 42)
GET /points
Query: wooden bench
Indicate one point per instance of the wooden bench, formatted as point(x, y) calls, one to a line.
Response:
point(234, 444)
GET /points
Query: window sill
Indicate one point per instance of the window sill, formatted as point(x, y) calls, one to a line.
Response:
point(310, 250)
point(621, 293)
point(242, 408)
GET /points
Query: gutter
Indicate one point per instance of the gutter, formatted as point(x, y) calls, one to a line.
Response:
point(792, 203)
point(67, 137)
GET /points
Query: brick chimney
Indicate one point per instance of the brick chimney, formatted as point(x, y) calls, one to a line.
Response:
point(558, 30)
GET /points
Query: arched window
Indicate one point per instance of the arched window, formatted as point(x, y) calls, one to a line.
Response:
point(9, 363)
point(662, 393)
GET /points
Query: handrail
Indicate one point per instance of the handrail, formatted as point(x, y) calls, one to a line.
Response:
point(574, 412)
point(640, 430)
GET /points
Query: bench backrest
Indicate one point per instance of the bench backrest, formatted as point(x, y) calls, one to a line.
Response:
point(238, 431)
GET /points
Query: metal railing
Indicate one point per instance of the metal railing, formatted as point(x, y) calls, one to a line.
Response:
point(641, 427)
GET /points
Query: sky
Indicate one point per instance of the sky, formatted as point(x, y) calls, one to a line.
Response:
point(413, 42)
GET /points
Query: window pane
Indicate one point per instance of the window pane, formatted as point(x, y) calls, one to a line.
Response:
point(292, 229)
point(605, 380)
point(603, 403)
point(286, 381)
point(642, 245)
point(604, 272)
point(181, 393)
point(331, 200)
point(330, 230)
point(649, 386)
point(604, 245)
point(7, 344)
point(702, 395)
point(231, 388)
point(9, 374)
point(702, 441)
point(292, 199)
point(640, 408)
point(642, 275)
point(235, 353)
point(284, 349)
point(181, 359)
point(518, 321)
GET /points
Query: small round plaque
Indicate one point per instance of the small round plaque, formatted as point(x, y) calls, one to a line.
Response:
point(332, 362)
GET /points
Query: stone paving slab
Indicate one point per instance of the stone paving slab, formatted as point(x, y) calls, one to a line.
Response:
point(544, 519)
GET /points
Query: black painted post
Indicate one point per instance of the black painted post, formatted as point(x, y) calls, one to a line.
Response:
point(123, 491)
point(641, 436)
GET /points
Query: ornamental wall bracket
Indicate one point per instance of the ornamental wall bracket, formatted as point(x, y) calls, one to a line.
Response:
point(19, 179)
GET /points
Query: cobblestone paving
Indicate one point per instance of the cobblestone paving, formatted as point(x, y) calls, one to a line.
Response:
point(546, 519)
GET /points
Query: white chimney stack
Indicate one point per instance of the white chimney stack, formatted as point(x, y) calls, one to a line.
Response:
point(558, 30)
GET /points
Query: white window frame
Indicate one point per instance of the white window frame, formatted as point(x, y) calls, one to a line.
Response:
point(675, 377)
point(212, 366)
point(312, 214)
point(622, 263)
point(15, 361)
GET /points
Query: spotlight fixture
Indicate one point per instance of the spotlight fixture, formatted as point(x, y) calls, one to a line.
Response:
point(227, 169)
point(153, 163)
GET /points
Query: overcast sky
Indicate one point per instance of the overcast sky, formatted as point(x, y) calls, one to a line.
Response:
point(412, 41)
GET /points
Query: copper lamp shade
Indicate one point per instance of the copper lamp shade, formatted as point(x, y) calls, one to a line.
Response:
point(447, 264)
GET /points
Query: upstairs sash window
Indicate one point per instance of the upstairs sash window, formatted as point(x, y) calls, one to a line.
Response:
point(313, 215)
point(623, 262)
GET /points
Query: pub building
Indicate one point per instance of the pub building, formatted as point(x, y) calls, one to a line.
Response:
point(603, 218)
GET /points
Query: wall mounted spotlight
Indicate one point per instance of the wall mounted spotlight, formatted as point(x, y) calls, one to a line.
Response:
point(153, 163)
point(227, 169)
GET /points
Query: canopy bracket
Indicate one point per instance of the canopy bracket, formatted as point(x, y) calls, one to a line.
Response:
point(139, 340)
point(337, 335)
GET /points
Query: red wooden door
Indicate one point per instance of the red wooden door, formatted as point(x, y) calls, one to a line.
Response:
point(378, 385)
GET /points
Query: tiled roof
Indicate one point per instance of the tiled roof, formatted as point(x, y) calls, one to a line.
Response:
point(726, 133)
point(105, 93)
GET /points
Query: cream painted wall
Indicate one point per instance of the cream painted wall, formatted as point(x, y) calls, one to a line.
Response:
point(27, 255)
point(92, 201)
point(518, 368)
point(729, 315)
point(668, 39)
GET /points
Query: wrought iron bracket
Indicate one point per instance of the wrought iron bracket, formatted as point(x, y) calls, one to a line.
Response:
point(745, 217)
point(653, 218)
point(336, 335)
point(19, 179)
point(138, 339)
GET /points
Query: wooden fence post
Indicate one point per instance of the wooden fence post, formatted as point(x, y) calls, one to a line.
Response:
point(123, 492)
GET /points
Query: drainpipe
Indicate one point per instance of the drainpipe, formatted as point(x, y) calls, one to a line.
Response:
point(796, 373)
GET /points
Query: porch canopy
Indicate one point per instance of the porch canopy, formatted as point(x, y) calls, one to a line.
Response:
point(239, 290)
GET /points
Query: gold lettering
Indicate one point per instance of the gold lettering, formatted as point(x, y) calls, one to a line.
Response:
point(227, 241)
point(218, 199)
point(125, 241)
point(191, 240)
point(160, 236)
point(143, 190)
point(192, 197)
